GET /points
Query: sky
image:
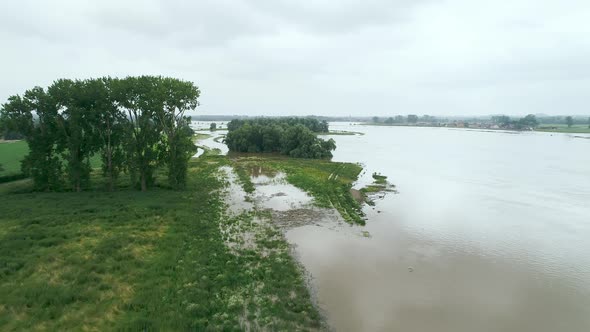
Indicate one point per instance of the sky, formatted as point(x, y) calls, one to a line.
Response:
point(321, 57)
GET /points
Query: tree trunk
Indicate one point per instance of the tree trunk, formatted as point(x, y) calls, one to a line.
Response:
point(143, 182)
point(110, 167)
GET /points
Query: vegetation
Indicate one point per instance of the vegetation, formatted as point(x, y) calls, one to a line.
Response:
point(129, 261)
point(562, 128)
point(569, 121)
point(213, 126)
point(379, 179)
point(312, 124)
point(135, 124)
point(328, 182)
point(11, 154)
point(294, 137)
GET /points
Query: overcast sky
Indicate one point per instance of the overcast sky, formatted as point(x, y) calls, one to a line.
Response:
point(294, 57)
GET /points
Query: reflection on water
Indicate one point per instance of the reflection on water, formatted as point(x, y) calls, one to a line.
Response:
point(490, 232)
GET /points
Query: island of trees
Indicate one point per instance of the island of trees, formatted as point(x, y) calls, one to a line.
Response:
point(135, 125)
point(294, 137)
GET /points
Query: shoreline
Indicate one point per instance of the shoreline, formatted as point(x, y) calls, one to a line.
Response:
point(576, 130)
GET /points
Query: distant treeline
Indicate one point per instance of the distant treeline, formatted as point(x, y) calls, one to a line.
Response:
point(135, 124)
point(504, 121)
point(294, 137)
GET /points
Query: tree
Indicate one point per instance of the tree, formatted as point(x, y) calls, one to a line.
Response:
point(569, 121)
point(399, 119)
point(77, 128)
point(529, 121)
point(176, 98)
point(588, 122)
point(134, 96)
point(35, 116)
point(389, 120)
point(375, 119)
point(110, 124)
point(213, 126)
point(501, 120)
point(412, 118)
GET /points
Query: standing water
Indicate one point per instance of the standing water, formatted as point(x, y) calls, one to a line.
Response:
point(490, 231)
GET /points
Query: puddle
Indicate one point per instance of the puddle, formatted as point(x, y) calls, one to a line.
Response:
point(200, 151)
point(215, 142)
point(279, 195)
point(235, 196)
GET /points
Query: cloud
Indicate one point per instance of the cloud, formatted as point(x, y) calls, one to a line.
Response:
point(315, 57)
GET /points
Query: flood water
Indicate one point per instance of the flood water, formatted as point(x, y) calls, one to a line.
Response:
point(490, 231)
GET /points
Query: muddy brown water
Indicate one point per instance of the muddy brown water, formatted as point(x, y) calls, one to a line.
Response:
point(490, 231)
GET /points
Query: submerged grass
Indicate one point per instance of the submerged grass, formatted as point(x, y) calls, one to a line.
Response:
point(153, 260)
point(328, 182)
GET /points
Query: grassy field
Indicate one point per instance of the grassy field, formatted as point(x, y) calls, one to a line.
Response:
point(11, 153)
point(561, 128)
point(133, 261)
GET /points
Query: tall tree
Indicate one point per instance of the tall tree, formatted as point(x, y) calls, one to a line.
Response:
point(133, 95)
point(34, 115)
point(569, 121)
point(77, 123)
point(176, 97)
point(412, 118)
point(110, 122)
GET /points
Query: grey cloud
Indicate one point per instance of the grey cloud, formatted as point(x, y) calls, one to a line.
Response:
point(315, 57)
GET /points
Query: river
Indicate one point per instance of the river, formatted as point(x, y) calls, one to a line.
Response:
point(490, 231)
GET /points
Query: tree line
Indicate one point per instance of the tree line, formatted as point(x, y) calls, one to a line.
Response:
point(294, 137)
point(135, 125)
point(503, 121)
point(312, 124)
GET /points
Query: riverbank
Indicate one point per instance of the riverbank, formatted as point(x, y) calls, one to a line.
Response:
point(167, 259)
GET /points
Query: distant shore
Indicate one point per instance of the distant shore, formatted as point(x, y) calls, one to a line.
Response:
point(550, 128)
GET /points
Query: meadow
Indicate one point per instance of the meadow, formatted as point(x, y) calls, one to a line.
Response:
point(11, 153)
point(561, 128)
point(129, 260)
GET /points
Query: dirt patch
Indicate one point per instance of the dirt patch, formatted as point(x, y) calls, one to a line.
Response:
point(357, 195)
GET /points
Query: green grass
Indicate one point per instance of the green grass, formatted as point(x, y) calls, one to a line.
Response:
point(200, 136)
point(134, 261)
point(562, 128)
point(11, 154)
point(328, 182)
point(379, 179)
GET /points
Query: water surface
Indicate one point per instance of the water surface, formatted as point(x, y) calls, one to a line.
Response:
point(490, 232)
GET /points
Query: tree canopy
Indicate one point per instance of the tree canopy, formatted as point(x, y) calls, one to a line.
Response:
point(135, 124)
point(295, 137)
